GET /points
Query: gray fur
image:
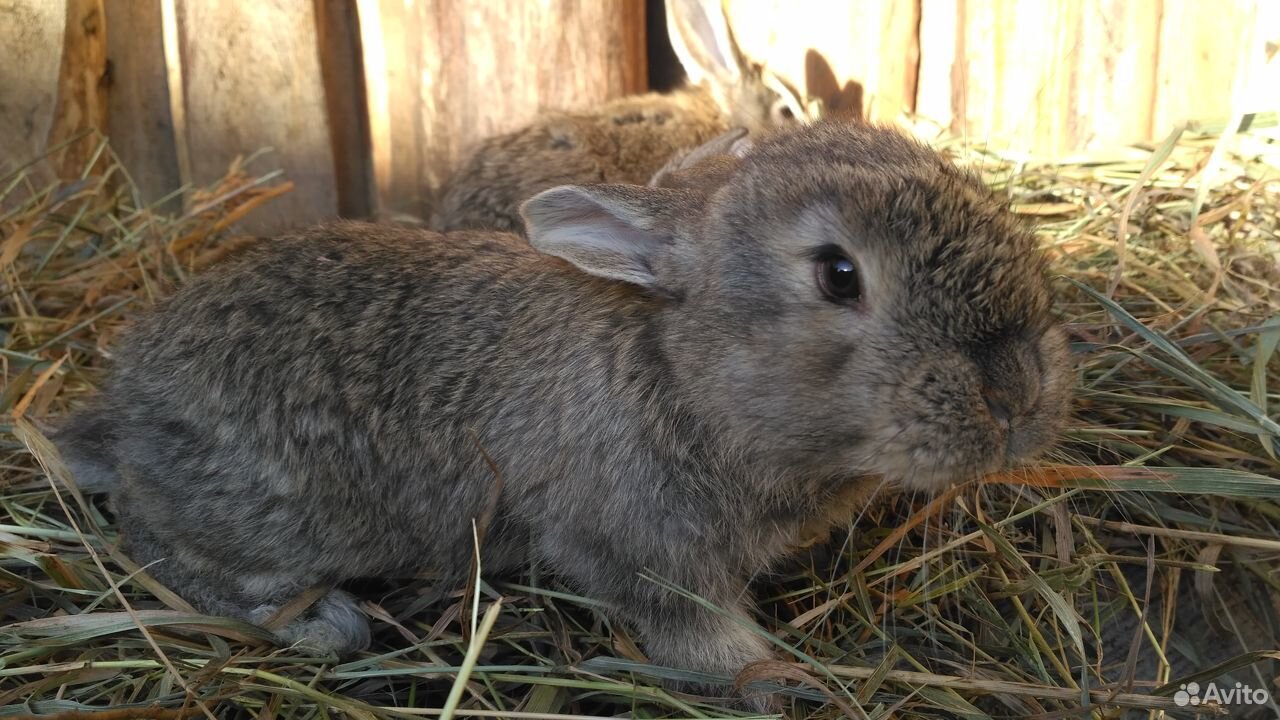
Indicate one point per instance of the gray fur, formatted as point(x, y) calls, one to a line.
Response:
point(314, 409)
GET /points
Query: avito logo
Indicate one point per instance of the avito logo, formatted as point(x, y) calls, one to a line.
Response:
point(1190, 695)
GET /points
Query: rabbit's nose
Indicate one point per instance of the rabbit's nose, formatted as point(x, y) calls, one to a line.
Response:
point(998, 405)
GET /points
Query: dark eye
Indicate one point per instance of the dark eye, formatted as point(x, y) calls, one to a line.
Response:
point(782, 112)
point(838, 278)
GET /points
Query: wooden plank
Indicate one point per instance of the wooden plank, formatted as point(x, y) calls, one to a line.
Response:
point(942, 43)
point(1092, 74)
point(632, 40)
point(342, 71)
point(138, 117)
point(251, 80)
point(80, 114)
point(1116, 75)
point(1204, 48)
point(1011, 86)
point(992, 80)
point(443, 74)
point(836, 50)
point(377, 81)
point(31, 36)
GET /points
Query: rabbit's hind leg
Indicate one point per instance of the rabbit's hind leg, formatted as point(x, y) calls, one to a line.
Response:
point(333, 624)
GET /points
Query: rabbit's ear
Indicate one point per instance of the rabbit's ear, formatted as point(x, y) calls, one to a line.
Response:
point(611, 231)
point(733, 143)
point(700, 35)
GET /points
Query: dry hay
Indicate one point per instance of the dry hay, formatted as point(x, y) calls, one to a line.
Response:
point(1018, 596)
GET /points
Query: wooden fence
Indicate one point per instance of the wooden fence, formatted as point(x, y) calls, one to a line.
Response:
point(369, 104)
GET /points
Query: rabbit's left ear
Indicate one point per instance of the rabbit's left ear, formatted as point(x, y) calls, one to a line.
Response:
point(734, 144)
point(619, 232)
point(703, 42)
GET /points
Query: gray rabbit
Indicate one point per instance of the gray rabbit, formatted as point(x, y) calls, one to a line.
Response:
point(674, 382)
point(625, 140)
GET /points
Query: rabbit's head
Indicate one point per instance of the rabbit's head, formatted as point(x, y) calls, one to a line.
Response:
point(749, 94)
point(841, 301)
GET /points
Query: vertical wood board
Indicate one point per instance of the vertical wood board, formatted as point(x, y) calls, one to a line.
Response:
point(342, 72)
point(80, 113)
point(1204, 48)
point(443, 74)
point(138, 113)
point(251, 80)
point(30, 58)
point(1058, 77)
point(369, 102)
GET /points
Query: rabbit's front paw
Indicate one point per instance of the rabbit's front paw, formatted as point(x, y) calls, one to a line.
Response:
point(334, 625)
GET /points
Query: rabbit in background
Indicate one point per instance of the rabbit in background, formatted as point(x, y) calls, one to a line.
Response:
point(626, 140)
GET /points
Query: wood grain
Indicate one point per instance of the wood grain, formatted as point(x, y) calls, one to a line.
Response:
point(1083, 79)
point(373, 102)
point(80, 113)
point(346, 102)
point(443, 74)
point(138, 117)
point(1056, 78)
point(1204, 48)
point(1115, 81)
point(251, 80)
point(1005, 83)
point(30, 57)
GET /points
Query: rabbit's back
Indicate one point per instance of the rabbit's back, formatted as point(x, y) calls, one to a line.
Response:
point(625, 141)
point(263, 405)
point(314, 405)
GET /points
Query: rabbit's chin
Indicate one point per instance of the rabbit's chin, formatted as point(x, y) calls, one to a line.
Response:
point(913, 475)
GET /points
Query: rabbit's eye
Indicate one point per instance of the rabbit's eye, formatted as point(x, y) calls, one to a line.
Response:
point(782, 112)
point(838, 278)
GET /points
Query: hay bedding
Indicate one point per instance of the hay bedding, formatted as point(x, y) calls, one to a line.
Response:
point(1018, 596)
